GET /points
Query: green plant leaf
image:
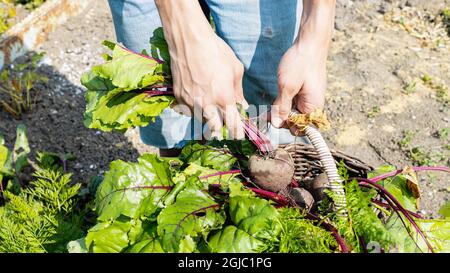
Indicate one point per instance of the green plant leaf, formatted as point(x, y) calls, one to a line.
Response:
point(21, 148)
point(160, 49)
point(128, 70)
point(397, 186)
point(242, 147)
point(115, 100)
point(77, 246)
point(380, 170)
point(5, 162)
point(92, 81)
point(252, 215)
point(437, 232)
point(151, 245)
point(206, 175)
point(133, 189)
point(207, 156)
point(108, 237)
point(364, 221)
point(233, 240)
point(194, 213)
point(127, 109)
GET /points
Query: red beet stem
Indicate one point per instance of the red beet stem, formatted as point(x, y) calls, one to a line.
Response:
point(384, 205)
point(220, 174)
point(154, 93)
point(142, 55)
point(332, 229)
point(421, 168)
point(398, 205)
point(259, 139)
point(269, 195)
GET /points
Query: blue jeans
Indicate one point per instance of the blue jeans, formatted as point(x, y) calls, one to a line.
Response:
point(258, 31)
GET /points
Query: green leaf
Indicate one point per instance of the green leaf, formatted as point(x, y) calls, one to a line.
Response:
point(252, 215)
point(233, 240)
point(381, 170)
point(109, 44)
point(5, 162)
point(364, 221)
point(77, 246)
point(128, 70)
point(397, 186)
point(206, 175)
point(151, 245)
point(242, 147)
point(409, 240)
point(124, 110)
point(92, 81)
point(133, 189)
point(108, 237)
point(236, 188)
point(207, 156)
point(193, 214)
point(114, 100)
point(298, 235)
point(160, 49)
point(21, 148)
point(445, 210)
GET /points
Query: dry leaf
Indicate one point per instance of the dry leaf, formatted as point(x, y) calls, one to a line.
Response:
point(412, 182)
point(317, 118)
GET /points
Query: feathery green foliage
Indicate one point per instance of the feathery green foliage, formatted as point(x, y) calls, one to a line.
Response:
point(363, 222)
point(40, 218)
point(299, 235)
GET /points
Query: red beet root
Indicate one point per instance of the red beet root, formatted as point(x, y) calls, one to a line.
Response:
point(273, 173)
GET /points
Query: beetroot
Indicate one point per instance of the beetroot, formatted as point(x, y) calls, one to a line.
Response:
point(302, 197)
point(318, 185)
point(272, 172)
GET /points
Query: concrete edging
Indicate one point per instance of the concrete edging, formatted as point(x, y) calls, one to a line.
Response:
point(30, 33)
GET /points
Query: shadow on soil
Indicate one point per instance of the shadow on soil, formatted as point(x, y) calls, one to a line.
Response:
point(56, 125)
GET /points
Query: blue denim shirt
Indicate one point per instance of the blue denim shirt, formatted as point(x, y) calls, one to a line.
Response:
point(258, 31)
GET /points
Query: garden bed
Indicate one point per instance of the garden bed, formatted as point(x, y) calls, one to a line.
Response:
point(33, 30)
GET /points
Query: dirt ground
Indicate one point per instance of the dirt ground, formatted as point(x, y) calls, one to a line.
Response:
point(389, 69)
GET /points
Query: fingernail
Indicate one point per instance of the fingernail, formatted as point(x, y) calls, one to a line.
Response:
point(245, 105)
point(216, 135)
point(277, 122)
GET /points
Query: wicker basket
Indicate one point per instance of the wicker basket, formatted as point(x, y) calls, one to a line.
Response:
point(308, 165)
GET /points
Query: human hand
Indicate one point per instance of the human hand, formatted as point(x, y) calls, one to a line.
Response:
point(301, 82)
point(209, 79)
point(207, 75)
point(302, 69)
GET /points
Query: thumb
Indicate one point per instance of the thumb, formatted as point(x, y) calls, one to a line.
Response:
point(281, 108)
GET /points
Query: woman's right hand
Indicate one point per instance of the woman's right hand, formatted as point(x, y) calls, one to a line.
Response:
point(207, 75)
